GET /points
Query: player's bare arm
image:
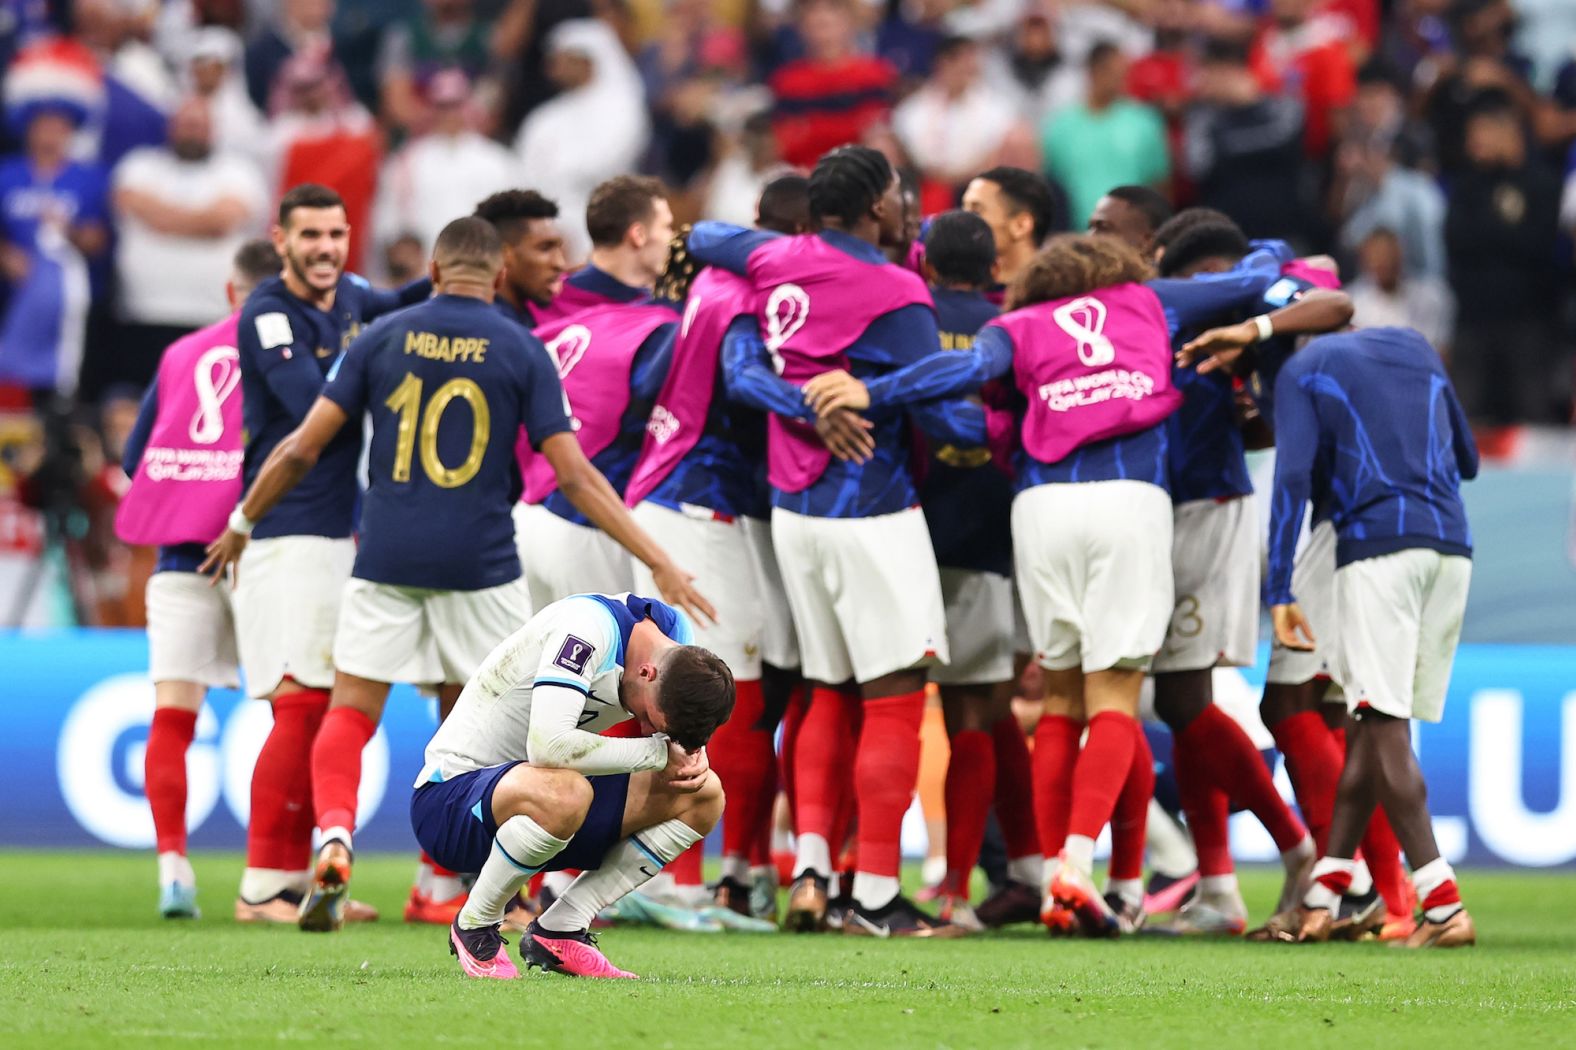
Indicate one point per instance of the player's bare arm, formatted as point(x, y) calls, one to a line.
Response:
point(286, 465)
point(585, 487)
point(1317, 311)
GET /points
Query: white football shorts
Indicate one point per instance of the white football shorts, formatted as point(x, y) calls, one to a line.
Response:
point(864, 592)
point(1093, 565)
point(560, 558)
point(287, 595)
point(718, 554)
point(1313, 585)
point(1400, 622)
point(425, 637)
point(191, 631)
point(779, 640)
point(1215, 566)
point(980, 628)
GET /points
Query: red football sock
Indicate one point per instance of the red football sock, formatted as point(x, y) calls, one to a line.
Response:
point(686, 867)
point(164, 775)
point(1236, 768)
point(437, 869)
point(279, 833)
point(1055, 753)
point(793, 718)
point(971, 772)
point(336, 765)
point(1102, 766)
point(742, 755)
point(1314, 764)
point(1207, 809)
point(1130, 819)
point(1014, 789)
point(1382, 854)
point(823, 751)
point(886, 768)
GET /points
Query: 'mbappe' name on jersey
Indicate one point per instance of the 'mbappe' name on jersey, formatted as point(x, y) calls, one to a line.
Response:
point(957, 340)
point(442, 348)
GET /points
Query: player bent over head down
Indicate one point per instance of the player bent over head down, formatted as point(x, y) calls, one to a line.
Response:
point(518, 779)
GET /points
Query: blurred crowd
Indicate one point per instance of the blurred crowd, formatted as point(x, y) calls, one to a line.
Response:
point(1428, 145)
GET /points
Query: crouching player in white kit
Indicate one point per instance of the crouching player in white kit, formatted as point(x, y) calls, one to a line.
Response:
point(190, 415)
point(519, 780)
point(1372, 416)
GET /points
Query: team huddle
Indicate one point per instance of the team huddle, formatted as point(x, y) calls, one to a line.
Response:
point(709, 515)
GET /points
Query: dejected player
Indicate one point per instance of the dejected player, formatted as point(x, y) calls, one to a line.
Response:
point(448, 383)
point(519, 778)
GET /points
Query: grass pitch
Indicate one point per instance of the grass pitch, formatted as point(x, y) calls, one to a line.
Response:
point(85, 961)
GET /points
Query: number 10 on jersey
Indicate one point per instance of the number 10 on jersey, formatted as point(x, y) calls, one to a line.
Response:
point(406, 400)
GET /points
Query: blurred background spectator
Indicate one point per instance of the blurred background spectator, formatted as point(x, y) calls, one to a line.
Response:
point(1425, 144)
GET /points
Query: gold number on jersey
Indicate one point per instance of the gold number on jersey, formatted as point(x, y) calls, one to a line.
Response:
point(406, 400)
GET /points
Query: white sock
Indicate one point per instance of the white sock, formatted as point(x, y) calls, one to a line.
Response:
point(1026, 870)
point(262, 884)
point(626, 867)
point(335, 834)
point(174, 867)
point(1048, 875)
point(873, 892)
point(519, 850)
point(812, 854)
point(1078, 853)
point(764, 872)
point(1430, 877)
point(661, 886)
point(782, 840)
point(1130, 890)
point(437, 887)
point(737, 869)
point(1170, 849)
point(1299, 854)
point(1218, 887)
point(834, 886)
point(1319, 894)
point(1362, 880)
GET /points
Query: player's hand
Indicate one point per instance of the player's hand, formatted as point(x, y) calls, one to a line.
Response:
point(223, 555)
point(678, 588)
point(831, 391)
point(1219, 347)
point(686, 770)
point(1289, 623)
point(846, 435)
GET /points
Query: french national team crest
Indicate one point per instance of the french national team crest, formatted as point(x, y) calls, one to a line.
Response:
point(574, 654)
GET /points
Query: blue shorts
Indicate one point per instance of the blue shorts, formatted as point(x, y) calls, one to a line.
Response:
point(453, 820)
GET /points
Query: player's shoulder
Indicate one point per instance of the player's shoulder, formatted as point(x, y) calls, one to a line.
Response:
point(271, 315)
point(581, 635)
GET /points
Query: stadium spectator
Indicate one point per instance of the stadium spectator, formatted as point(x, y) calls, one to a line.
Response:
point(182, 210)
point(1500, 232)
point(836, 92)
point(1386, 292)
point(749, 162)
point(1034, 66)
point(953, 125)
point(214, 72)
point(1107, 140)
point(117, 31)
point(300, 25)
point(53, 218)
point(444, 34)
point(693, 61)
point(1304, 52)
point(1483, 71)
point(1243, 150)
point(444, 172)
point(1375, 188)
point(600, 91)
point(321, 134)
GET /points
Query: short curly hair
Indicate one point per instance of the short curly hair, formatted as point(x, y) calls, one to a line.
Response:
point(696, 695)
point(1076, 264)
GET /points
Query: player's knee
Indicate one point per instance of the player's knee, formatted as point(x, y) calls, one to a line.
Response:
point(557, 799)
point(707, 804)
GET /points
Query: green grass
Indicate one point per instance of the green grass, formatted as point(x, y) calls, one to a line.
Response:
point(84, 960)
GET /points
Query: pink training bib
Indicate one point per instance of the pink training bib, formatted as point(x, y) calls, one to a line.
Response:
point(678, 418)
point(595, 354)
point(814, 302)
point(1093, 367)
point(189, 478)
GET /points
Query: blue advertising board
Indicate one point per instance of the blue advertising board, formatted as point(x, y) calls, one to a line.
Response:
point(75, 707)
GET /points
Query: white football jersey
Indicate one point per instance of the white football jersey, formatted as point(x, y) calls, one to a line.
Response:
point(547, 691)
